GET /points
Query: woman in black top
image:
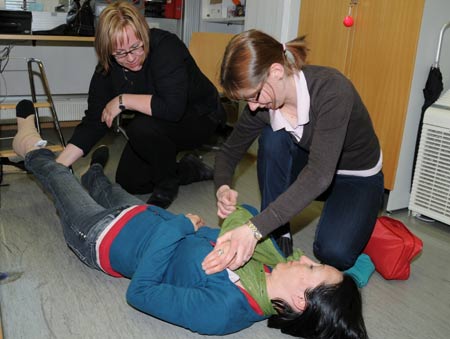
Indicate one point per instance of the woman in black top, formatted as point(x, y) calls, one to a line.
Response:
point(151, 74)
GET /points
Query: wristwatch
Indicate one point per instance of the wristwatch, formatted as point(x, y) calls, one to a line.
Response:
point(121, 105)
point(257, 234)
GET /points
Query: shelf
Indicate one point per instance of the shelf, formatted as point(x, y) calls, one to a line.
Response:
point(46, 37)
point(36, 105)
point(231, 21)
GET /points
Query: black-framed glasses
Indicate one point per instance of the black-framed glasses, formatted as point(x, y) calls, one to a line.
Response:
point(255, 98)
point(138, 50)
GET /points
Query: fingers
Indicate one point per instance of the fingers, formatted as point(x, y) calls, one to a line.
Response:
point(107, 117)
point(217, 260)
point(233, 258)
point(196, 220)
point(240, 259)
point(224, 211)
point(110, 111)
point(226, 201)
point(241, 244)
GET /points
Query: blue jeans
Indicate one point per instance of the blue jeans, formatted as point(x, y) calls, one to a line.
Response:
point(83, 213)
point(351, 204)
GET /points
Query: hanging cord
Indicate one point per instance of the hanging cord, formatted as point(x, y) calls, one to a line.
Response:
point(4, 59)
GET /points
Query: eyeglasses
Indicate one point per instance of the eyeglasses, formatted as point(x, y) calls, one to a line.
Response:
point(255, 98)
point(138, 50)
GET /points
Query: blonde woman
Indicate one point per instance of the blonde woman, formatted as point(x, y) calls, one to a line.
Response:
point(148, 72)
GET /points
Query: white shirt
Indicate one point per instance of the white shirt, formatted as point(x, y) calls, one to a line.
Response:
point(278, 121)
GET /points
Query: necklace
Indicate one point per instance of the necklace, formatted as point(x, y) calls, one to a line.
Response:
point(126, 78)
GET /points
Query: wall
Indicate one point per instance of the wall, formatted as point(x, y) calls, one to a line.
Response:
point(69, 66)
point(436, 14)
point(278, 18)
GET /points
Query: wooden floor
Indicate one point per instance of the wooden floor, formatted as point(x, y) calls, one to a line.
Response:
point(58, 297)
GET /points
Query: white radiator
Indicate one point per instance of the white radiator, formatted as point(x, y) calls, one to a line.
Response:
point(430, 194)
point(67, 109)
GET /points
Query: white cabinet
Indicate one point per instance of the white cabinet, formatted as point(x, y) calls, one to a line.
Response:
point(278, 18)
point(223, 11)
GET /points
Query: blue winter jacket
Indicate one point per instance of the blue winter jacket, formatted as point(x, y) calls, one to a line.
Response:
point(162, 254)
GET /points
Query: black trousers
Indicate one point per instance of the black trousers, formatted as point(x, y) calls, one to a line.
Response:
point(149, 158)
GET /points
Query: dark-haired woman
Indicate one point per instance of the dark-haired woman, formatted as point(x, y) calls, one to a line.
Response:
point(316, 141)
point(151, 74)
point(161, 253)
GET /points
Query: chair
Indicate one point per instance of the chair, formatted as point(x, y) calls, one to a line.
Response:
point(207, 49)
point(5, 154)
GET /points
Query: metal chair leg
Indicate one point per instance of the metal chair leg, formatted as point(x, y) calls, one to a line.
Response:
point(33, 94)
point(43, 76)
point(118, 126)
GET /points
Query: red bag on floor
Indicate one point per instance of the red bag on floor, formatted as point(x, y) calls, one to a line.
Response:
point(392, 247)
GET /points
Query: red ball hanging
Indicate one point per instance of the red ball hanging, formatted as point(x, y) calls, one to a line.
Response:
point(348, 21)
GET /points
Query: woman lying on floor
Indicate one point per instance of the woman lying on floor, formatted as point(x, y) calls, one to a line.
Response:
point(110, 230)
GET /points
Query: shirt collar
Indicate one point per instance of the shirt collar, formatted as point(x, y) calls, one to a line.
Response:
point(278, 122)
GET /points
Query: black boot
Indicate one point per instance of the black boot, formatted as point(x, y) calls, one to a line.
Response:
point(163, 197)
point(285, 245)
point(283, 238)
point(100, 156)
point(191, 169)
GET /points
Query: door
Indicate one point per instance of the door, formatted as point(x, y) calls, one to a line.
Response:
point(378, 55)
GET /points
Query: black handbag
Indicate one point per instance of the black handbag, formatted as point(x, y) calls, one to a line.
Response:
point(80, 19)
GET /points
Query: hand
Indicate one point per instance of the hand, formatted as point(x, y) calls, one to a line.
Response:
point(221, 249)
point(196, 220)
point(110, 111)
point(242, 246)
point(226, 201)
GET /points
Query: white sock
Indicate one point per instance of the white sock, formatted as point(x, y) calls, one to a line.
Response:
point(287, 235)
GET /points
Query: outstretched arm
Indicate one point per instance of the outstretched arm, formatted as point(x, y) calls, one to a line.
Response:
point(69, 155)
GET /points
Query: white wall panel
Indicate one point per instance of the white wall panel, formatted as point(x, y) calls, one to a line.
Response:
point(278, 18)
point(435, 14)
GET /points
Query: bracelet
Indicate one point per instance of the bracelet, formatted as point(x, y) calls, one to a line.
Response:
point(121, 105)
point(256, 233)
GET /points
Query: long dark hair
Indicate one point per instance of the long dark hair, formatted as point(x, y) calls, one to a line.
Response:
point(249, 55)
point(332, 311)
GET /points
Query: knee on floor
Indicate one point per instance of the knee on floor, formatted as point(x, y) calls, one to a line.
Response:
point(336, 256)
